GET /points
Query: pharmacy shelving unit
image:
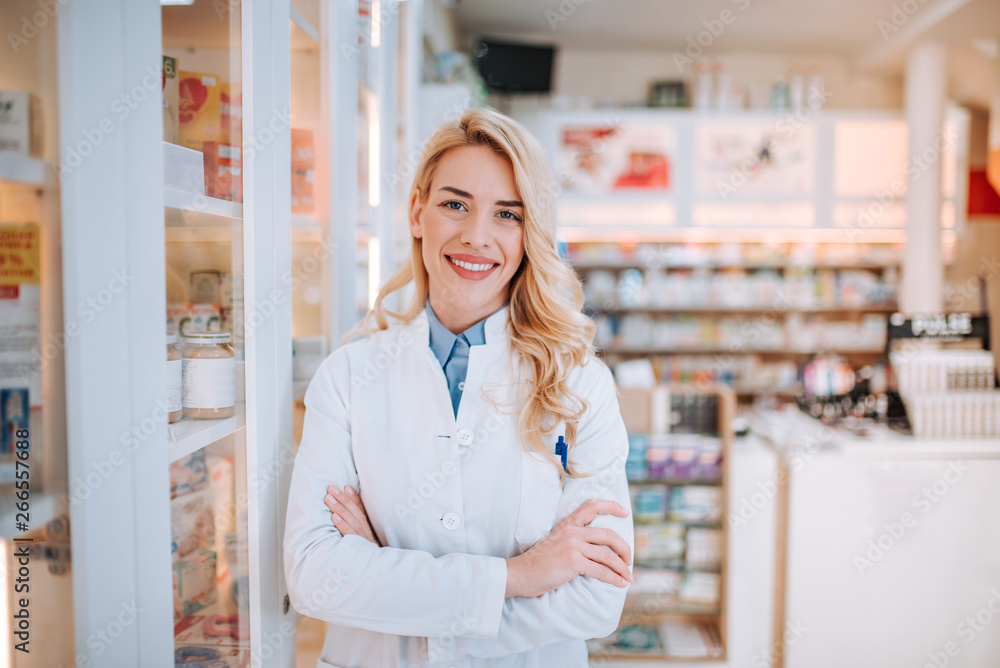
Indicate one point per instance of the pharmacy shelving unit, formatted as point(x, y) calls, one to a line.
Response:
point(32, 324)
point(118, 218)
point(652, 609)
point(834, 196)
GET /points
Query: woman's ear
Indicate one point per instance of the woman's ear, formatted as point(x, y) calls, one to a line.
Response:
point(416, 211)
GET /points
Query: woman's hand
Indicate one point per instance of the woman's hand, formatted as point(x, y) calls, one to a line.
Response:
point(570, 549)
point(349, 514)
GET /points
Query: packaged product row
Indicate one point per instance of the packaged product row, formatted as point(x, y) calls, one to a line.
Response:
point(664, 590)
point(673, 457)
point(210, 557)
point(676, 545)
point(739, 334)
point(745, 373)
point(673, 639)
point(730, 254)
point(933, 371)
point(203, 131)
point(679, 503)
point(764, 289)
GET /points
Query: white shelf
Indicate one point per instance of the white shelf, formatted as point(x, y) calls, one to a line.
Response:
point(199, 209)
point(666, 350)
point(612, 265)
point(42, 509)
point(747, 309)
point(188, 436)
point(19, 169)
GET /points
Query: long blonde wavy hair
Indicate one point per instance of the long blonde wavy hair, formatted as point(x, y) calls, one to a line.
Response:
point(547, 329)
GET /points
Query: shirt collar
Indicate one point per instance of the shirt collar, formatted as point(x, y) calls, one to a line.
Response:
point(442, 340)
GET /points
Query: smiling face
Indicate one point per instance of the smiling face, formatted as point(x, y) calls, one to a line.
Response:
point(471, 229)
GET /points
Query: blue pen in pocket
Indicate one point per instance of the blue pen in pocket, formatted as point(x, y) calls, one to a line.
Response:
point(561, 451)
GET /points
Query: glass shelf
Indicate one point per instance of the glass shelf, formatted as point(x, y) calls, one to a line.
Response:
point(188, 436)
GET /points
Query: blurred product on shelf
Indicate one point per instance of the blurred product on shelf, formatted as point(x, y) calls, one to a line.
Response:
point(948, 393)
point(674, 457)
point(175, 407)
point(676, 640)
point(20, 123)
point(223, 171)
point(231, 114)
point(828, 376)
point(188, 474)
point(690, 640)
point(216, 657)
point(703, 551)
point(695, 504)
point(209, 375)
point(698, 588)
point(726, 254)
point(734, 288)
point(659, 542)
point(194, 583)
point(171, 100)
point(206, 286)
point(735, 335)
point(200, 109)
point(192, 519)
point(303, 164)
point(649, 502)
point(936, 371)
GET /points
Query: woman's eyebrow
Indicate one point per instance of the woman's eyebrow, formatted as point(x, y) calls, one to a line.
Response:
point(499, 202)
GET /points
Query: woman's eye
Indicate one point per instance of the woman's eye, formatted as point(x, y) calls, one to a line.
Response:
point(510, 215)
point(452, 205)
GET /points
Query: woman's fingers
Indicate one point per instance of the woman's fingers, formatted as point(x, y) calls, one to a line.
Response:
point(352, 506)
point(610, 538)
point(595, 567)
point(343, 521)
point(590, 509)
point(610, 561)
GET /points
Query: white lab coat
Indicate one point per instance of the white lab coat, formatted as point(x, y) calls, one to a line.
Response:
point(451, 498)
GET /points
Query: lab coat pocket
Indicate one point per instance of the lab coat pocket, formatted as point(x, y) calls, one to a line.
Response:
point(540, 493)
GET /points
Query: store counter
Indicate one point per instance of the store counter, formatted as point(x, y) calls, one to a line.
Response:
point(887, 550)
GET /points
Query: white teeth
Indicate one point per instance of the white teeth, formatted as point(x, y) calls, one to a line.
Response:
point(471, 267)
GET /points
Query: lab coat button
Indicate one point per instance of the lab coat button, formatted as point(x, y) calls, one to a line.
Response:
point(451, 521)
point(465, 437)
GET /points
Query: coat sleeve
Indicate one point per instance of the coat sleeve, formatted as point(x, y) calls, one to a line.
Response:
point(349, 581)
point(584, 607)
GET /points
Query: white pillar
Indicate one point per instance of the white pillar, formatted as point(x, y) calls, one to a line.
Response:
point(923, 273)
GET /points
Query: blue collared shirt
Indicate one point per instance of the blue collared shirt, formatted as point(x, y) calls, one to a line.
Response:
point(442, 341)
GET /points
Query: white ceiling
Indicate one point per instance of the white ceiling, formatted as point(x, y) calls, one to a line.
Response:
point(846, 27)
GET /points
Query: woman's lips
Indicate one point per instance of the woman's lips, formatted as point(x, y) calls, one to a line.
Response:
point(468, 273)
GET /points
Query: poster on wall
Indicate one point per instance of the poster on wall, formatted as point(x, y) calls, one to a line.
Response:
point(20, 320)
point(754, 158)
point(620, 157)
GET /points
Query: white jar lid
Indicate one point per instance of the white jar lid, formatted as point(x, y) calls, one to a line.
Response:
point(171, 339)
point(207, 337)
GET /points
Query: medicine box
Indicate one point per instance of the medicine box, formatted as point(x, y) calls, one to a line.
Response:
point(223, 171)
point(200, 109)
point(171, 99)
point(194, 583)
point(20, 123)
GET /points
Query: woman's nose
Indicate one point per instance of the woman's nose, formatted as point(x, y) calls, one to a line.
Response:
point(477, 233)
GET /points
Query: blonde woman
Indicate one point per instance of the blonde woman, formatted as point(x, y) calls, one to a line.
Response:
point(434, 518)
